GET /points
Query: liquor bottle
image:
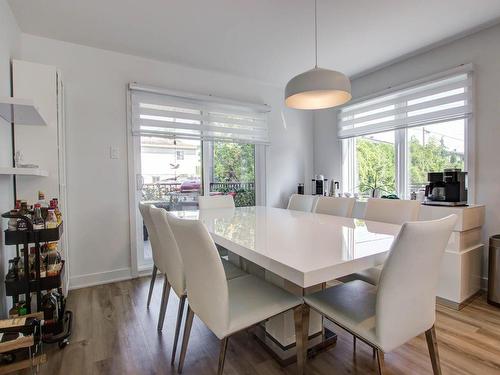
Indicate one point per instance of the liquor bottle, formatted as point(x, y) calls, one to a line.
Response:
point(51, 221)
point(12, 224)
point(41, 200)
point(38, 222)
point(12, 274)
point(50, 307)
point(57, 210)
point(23, 211)
point(32, 262)
point(20, 268)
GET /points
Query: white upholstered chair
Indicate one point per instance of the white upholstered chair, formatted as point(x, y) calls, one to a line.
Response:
point(393, 211)
point(300, 202)
point(153, 240)
point(225, 306)
point(404, 304)
point(334, 206)
point(170, 263)
point(215, 201)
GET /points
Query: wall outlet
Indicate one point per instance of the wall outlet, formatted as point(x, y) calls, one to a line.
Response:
point(114, 152)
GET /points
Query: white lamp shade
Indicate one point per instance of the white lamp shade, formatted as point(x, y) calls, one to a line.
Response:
point(317, 89)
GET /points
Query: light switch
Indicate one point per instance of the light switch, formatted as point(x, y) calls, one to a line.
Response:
point(114, 152)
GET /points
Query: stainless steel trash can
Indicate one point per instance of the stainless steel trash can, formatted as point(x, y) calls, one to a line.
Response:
point(494, 271)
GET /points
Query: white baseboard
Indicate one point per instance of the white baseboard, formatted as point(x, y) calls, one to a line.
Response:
point(98, 278)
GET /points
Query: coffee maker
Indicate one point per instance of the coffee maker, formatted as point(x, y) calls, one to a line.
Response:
point(319, 185)
point(448, 188)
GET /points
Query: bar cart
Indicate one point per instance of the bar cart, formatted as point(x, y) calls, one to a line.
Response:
point(55, 330)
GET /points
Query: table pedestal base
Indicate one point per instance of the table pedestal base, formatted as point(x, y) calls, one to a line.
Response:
point(286, 355)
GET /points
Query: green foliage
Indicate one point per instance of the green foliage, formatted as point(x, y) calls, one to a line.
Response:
point(376, 166)
point(431, 157)
point(234, 162)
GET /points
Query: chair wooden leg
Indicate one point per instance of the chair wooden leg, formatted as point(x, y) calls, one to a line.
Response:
point(374, 353)
point(151, 285)
point(185, 337)
point(380, 361)
point(430, 335)
point(164, 303)
point(180, 312)
point(301, 317)
point(354, 344)
point(222, 355)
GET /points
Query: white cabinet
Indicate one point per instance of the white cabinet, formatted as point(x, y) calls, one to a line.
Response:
point(43, 145)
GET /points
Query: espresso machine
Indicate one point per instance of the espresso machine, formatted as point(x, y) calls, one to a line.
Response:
point(319, 185)
point(448, 188)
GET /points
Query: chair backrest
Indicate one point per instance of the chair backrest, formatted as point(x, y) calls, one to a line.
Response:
point(334, 206)
point(393, 211)
point(170, 257)
point(215, 201)
point(205, 278)
point(300, 202)
point(406, 296)
point(153, 238)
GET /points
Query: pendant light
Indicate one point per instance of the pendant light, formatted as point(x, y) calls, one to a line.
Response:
point(317, 88)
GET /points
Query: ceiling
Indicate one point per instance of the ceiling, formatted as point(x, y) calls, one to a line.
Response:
point(269, 40)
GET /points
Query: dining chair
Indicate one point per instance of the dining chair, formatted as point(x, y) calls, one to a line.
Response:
point(392, 211)
point(334, 206)
point(403, 305)
point(215, 201)
point(153, 240)
point(299, 202)
point(170, 260)
point(225, 306)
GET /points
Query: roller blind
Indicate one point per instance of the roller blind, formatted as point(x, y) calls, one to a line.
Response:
point(438, 100)
point(163, 113)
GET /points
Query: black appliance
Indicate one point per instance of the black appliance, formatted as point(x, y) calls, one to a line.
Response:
point(448, 188)
point(319, 185)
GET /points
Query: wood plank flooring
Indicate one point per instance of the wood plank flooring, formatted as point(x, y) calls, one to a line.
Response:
point(114, 333)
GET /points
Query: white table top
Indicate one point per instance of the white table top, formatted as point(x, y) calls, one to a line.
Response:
point(304, 248)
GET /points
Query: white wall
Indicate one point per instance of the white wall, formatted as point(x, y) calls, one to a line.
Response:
point(483, 50)
point(9, 39)
point(95, 82)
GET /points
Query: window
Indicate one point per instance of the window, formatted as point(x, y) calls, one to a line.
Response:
point(392, 140)
point(375, 163)
point(434, 148)
point(233, 171)
point(186, 145)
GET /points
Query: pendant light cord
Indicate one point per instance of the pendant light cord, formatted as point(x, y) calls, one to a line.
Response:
point(316, 32)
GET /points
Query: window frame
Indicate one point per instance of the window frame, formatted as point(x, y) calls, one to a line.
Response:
point(138, 265)
point(348, 145)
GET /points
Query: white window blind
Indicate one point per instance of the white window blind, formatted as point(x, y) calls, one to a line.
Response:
point(442, 99)
point(163, 113)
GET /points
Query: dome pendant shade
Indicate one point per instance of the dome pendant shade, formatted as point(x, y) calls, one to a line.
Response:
point(317, 89)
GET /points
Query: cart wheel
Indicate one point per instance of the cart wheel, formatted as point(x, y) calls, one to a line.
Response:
point(63, 343)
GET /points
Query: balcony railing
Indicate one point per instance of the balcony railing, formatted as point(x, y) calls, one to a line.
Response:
point(243, 192)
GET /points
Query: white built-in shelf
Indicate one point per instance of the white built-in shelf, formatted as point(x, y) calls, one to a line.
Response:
point(20, 111)
point(23, 171)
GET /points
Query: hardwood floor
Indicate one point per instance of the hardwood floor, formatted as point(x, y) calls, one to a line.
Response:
point(114, 333)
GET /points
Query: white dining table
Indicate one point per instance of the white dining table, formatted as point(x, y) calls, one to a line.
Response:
point(299, 251)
